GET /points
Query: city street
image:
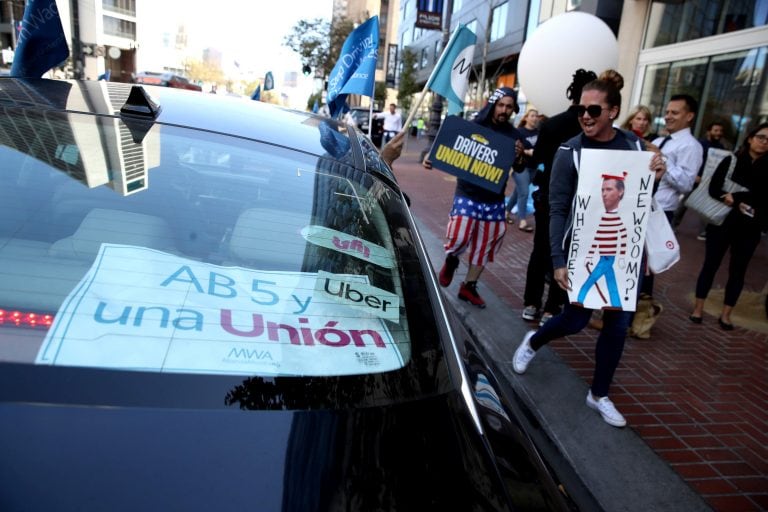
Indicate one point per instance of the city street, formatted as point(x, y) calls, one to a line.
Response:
point(695, 396)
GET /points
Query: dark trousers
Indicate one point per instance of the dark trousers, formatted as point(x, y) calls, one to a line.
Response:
point(610, 343)
point(540, 265)
point(742, 243)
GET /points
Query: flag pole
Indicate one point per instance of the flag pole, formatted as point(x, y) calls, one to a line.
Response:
point(443, 54)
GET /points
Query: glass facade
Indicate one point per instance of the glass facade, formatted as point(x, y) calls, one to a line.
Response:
point(730, 86)
point(685, 21)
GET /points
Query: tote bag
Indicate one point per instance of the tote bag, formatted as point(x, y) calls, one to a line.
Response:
point(713, 210)
point(661, 245)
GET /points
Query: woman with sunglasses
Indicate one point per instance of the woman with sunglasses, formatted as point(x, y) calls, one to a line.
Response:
point(599, 106)
point(742, 227)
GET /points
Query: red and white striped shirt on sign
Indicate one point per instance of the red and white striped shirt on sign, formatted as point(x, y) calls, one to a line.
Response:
point(611, 236)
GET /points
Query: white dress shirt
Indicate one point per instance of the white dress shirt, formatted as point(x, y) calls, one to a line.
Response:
point(684, 157)
point(392, 122)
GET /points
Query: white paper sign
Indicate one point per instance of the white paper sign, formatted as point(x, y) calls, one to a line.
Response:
point(142, 309)
point(612, 205)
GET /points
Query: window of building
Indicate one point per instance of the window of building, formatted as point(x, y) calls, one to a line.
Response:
point(456, 6)
point(499, 21)
point(406, 4)
point(472, 25)
point(437, 50)
point(424, 62)
point(120, 6)
point(684, 21)
point(405, 39)
point(729, 88)
point(119, 28)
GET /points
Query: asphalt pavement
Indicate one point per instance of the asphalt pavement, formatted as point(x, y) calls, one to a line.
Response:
point(683, 450)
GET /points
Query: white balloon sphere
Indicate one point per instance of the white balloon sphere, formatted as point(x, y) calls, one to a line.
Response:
point(556, 49)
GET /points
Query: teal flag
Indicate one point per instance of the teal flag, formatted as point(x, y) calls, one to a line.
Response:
point(450, 78)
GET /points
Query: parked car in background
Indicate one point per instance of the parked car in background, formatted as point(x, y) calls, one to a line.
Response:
point(165, 80)
point(361, 116)
point(211, 303)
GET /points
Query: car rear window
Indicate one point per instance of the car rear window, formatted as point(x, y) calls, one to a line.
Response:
point(199, 253)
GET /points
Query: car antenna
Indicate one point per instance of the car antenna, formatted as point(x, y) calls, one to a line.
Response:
point(139, 112)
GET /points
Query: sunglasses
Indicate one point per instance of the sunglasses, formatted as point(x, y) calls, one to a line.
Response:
point(592, 110)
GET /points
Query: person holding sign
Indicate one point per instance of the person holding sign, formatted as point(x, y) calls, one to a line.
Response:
point(597, 110)
point(478, 217)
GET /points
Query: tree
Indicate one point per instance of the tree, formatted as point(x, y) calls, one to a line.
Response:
point(200, 71)
point(380, 94)
point(408, 86)
point(319, 43)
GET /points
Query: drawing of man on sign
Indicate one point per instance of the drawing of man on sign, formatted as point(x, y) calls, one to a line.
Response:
point(609, 243)
point(608, 228)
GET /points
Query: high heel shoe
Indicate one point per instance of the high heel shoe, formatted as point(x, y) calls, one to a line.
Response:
point(724, 325)
point(695, 319)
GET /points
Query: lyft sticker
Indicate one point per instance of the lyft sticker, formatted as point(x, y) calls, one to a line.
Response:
point(360, 296)
point(348, 244)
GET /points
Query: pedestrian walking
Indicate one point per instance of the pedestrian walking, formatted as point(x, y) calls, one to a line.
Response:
point(552, 132)
point(598, 108)
point(638, 121)
point(684, 157)
point(477, 219)
point(523, 172)
point(393, 123)
point(741, 231)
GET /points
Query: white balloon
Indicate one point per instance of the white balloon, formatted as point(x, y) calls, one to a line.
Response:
point(556, 49)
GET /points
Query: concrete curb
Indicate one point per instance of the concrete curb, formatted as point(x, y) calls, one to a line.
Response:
point(619, 469)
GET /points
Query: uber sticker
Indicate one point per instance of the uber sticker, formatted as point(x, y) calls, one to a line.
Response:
point(348, 244)
point(360, 296)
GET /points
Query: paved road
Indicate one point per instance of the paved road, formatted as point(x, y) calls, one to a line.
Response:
point(695, 397)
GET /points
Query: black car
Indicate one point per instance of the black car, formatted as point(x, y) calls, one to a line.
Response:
point(209, 303)
point(361, 116)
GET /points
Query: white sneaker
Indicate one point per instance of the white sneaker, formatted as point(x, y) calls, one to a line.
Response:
point(606, 409)
point(524, 354)
point(530, 313)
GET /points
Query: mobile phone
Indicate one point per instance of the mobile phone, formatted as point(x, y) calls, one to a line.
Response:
point(749, 211)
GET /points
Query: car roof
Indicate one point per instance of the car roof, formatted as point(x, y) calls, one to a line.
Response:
point(239, 117)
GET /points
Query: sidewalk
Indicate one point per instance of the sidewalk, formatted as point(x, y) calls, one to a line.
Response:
point(695, 397)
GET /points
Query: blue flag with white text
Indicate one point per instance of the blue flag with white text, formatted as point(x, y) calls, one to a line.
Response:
point(269, 82)
point(41, 44)
point(257, 93)
point(450, 78)
point(354, 72)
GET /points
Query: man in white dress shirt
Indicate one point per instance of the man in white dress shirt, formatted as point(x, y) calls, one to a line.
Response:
point(393, 123)
point(683, 153)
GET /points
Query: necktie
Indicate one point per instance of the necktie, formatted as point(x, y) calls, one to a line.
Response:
point(666, 139)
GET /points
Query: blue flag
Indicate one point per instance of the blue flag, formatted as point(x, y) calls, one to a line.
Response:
point(450, 78)
point(354, 72)
point(257, 93)
point(106, 75)
point(41, 44)
point(269, 82)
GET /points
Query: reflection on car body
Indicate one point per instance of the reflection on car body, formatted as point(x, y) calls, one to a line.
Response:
point(166, 79)
point(201, 309)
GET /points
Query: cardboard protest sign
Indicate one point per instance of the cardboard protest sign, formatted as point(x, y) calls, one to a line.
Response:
point(473, 153)
point(613, 202)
